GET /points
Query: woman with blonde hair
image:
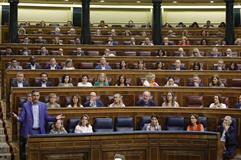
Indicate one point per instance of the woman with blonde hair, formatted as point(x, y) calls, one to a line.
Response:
point(150, 80)
point(102, 80)
point(117, 101)
point(68, 64)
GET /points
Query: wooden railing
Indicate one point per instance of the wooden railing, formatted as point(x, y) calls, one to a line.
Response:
point(133, 146)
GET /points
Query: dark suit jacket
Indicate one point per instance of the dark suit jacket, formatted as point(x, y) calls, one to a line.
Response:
point(216, 68)
point(191, 84)
point(39, 83)
point(230, 141)
point(238, 105)
point(98, 103)
point(141, 102)
point(37, 66)
point(174, 68)
point(48, 66)
point(26, 118)
point(107, 67)
point(15, 84)
point(168, 43)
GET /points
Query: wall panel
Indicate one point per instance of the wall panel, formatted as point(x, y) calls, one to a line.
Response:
point(33, 14)
point(120, 15)
point(189, 16)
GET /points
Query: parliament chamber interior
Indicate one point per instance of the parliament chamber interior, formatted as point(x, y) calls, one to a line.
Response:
point(120, 80)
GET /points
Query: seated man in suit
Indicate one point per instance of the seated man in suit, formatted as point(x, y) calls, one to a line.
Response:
point(146, 100)
point(25, 51)
point(19, 81)
point(166, 42)
point(220, 66)
point(147, 42)
point(180, 52)
point(208, 24)
point(229, 52)
point(44, 51)
point(26, 40)
point(93, 101)
point(52, 65)
point(215, 52)
point(195, 81)
point(9, 51)
point(238, 104)
point(79, 52)
point(43, 82)
point(178, 66)
point(40, 40)
point(33, 65)
point(228, 137)
point(14, 65)
point(111, 42)
point(103, 64)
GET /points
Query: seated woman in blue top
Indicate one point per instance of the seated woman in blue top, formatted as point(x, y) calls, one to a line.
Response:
point(102, 80)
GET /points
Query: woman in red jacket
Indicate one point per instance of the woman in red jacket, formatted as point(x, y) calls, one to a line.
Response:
point(194, 124)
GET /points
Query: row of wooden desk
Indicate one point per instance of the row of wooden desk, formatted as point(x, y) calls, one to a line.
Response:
point(133, 94)
point(68, 48)
point(131, 61)
point(134, 77)
point(118, 40)
point(39, 146)
point(133, 146)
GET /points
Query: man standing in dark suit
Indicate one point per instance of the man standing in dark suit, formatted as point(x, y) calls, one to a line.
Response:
point(19, 81)
point(33, 118)
point(43, 82)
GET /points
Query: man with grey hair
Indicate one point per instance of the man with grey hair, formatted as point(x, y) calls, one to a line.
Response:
point(146, 100)
point(228, 136)
point(93, 101)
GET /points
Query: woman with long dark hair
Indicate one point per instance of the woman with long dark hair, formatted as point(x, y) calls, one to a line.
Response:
point(194, 124)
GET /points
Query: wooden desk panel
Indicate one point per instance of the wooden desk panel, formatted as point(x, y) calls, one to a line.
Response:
point(135, 77)
point(120, 48)
point(131, 94)
point(131, 61)
point(134, 146)
point(120, 39)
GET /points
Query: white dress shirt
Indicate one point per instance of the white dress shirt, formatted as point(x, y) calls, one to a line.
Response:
point(219, 105)
point(83, 129)
point(35, 108)
point(20, 84)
